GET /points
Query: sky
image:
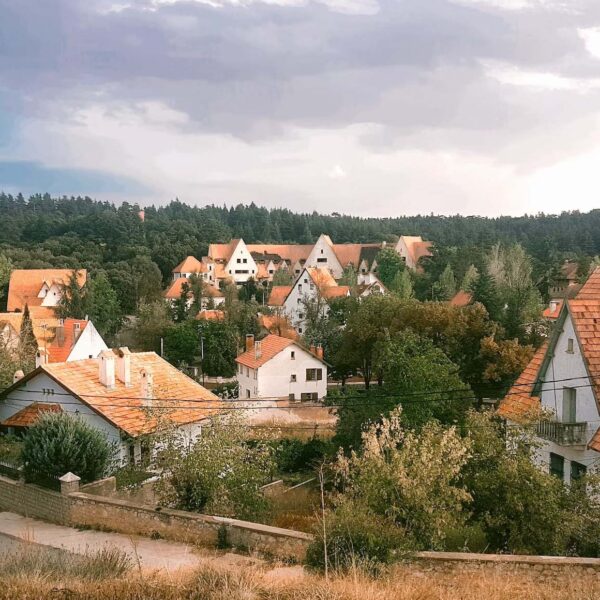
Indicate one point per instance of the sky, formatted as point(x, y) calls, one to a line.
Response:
point(366, 107)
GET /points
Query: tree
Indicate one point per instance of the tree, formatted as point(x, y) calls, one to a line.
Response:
point(221, 474)
point(470, 277)
point(150, 325)
point(389, 263)
point(60, 443)
point(446, 285)
point(220, 343)
point(103, 305)
point(27, 343)
point(5, 271)
point(181, 305)
point(182, 345)
point(72, 303)
point(349, 277)
point(402, 285)
point(485, 291)
point(282, 277)
point(196, 289)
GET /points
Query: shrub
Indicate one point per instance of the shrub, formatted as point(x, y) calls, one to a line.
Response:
point(293, 455)
point(355, 537)
point(59, 443)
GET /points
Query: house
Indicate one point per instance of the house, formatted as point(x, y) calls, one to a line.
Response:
point(123, 394)
point(210, 294)
point(41, 288)
point(565, 283)
point(277, 324)
point(553, 311)
point(461, 299)
point(561, 380)
point(239, 262)
point(58, 340)
point(210, 315)
point(278, 367)
point(316, 285)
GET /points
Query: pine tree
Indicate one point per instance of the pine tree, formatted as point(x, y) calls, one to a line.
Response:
point(402, 285)
point(469, 278)
point(72, 303)
point(447, 284)
point(27, 343)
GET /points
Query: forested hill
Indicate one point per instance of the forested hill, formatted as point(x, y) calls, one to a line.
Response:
point(43, 231)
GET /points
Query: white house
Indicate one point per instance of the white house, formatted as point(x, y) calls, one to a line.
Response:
point(192, 266)
point(313, 285)
point(562, 380)
point(278, 367)
point(123, 394)
point(210, 294)
point(412, 248)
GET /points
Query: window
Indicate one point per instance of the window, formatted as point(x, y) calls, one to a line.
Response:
point(321, 260)
point(309, 396)
point(244, 260)
point(240, 369)
point(312, 286)
point(300, 288)
point(569, 409)
point(301, 315)
point(293, 377)
point(293, 355)
point(321, 250)
point(314, 374)
point(270, 271)
point(577, 470)
point(241, 271)
point(557, 466)
point(570, 349)
point(299, 300)
point(239, 260)
point(300, 330)
point(255, 371)
point(305, 280)
point(292, 397)
point(247, 372)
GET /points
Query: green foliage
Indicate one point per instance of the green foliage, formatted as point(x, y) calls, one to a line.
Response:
point(292, 455)
point(73, 301)
point(469, 279)
point(402, 285)
point(446, 285)
point(389, 263)
point(103, 306)
point(182, 343)
point(27, 343)
point(349, 277)
point(220, 474)
point(5, 271)
point(152, 322)
point(282, 277)
point(59, 443)
point(11, 448)
point(220, 342)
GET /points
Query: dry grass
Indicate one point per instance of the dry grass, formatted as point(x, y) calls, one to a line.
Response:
point(253, 583)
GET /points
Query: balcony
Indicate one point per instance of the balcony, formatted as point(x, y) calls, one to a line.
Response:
point(563, 434)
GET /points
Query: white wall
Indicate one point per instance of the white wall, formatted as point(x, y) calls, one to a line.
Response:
point(402, 250)
point(566, 366)
point(322, 250)
point(241, 253)
point(303, 289)
point(53, 296)
point(274, 378)
point(89, 344)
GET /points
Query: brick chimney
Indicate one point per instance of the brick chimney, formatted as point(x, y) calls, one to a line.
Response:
point(146, 386)
point(60, 333)
point(320, 351)
point(41, 357)
point(257, 350)
point(76, 332)
point(106, 366)
point(123, 365)
point(313, 349)
point(249, 341)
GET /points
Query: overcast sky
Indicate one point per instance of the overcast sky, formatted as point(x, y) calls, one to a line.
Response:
point(370, 107)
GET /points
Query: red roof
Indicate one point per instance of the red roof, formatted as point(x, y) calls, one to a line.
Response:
point(190, 264)
point(278, 295)
point(269, 347)
point(210, 315)
point(591, 288)
point(552, 314)
point(462, 299)
point(61, 346)
point(28, 416)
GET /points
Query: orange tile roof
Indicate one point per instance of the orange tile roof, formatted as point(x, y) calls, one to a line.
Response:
point(417, 247)
point(321, 277)
point(519, 403)
point(270, 347)
point(25, 285)
point(222, 251)
point(350, 253)
point(262, 272)
point(59, 349)
point(553, 314)
point(190, 264)
point(291, 252)
point(278, 295)
point(278, 325)
point(178, 399)
point(28, 416)
point(173, 292)
point(594, 443)
point(338, 291)
point(210, 315)
point(43, 328)
point(461, 298)
point(591, 288)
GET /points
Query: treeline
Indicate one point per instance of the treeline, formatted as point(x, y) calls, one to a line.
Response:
point(68, 231)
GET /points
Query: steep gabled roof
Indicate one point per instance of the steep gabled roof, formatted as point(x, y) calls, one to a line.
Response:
point(591, 288)
point(190, 264)
point(321, 277)
point(270, 346)
point(62, 344)
point(210, 315)
point(25, 285)
point(278, 295)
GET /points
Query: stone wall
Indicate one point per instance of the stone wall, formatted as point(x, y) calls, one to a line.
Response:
point(101, 487)
point(32, 501)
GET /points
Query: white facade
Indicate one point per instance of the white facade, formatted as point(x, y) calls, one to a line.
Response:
point(89, 344)
point(293, 373)
point(241, 265)
point(304, 290)
point(51, 294)
point(568, 376)
point(323, 256)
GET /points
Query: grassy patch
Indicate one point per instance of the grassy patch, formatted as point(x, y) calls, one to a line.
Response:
point(131, 476)
point(10, 449)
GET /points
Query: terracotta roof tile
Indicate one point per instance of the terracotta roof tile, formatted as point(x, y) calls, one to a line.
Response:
point(591, 288)
point(25, 285)
point(210, 315)
point(351, 253)
point(551, 314)
point(278, 295)
point(338, 291)
point(61, 346)
point(173, 292)
point(321, 277)
point(190, 264)
point(279, 325)
point(28, 416)
point(180, 398)
point(518, 404)
point(461, 299)
point(43, 328)
point(269, 347)
point(594, 443)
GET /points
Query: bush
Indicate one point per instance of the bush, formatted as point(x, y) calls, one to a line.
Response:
point(356, 537)
point(60, 443)
point(293, 455)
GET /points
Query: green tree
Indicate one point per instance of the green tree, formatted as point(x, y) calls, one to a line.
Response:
point(27, 343)
point(389, 263)
point(221, 474)
point(402, 285)
point(282, 277)
point(5, 271)
point(349, 277)
point(219, 342)
point(446, 285)
point(72, 303)
point(470, 277)
point(150, 325)
point(103, 305)
point(182, 345)
point(60, 443)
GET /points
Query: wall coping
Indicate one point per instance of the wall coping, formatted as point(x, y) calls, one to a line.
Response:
point(507, 559)
point(254, 527)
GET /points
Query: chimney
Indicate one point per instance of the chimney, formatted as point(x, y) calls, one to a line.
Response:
point(76, 332)
point(18, 375)
point(41, 357)
point(123, 365)
point(313, 349)
point(320, 351)
point(60, 333)
point(257, 350)
point(106, 365)
point(146, 386)
point(249, 341)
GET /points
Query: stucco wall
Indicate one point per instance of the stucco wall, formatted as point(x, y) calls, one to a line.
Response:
point(89, 344)
point(241, 252)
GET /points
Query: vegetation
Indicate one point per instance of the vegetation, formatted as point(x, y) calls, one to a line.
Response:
point(59, 443)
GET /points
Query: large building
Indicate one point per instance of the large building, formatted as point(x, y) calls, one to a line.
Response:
point(562, 381)
point(238, 262)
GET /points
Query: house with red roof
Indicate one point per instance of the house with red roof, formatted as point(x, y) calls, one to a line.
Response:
point(123, 394)
point(562, 381)
point(281, 368)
